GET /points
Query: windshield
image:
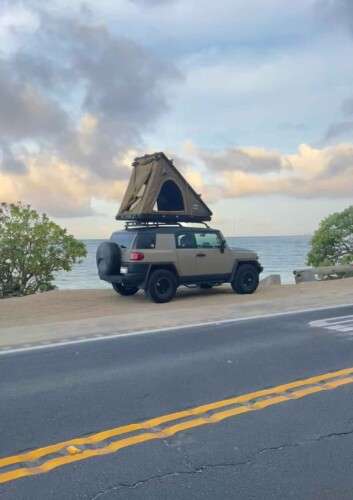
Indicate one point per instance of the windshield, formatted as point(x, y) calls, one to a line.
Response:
point(123, 238)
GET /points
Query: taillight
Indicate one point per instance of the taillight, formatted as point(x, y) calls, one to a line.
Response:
point(137, 256)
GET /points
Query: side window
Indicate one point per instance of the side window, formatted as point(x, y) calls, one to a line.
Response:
point(207, 240)
point(185, 240)
point(123, 238)
point(146, 240)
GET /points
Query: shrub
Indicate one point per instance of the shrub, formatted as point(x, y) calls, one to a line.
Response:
point(32, 249)
point(332, 243)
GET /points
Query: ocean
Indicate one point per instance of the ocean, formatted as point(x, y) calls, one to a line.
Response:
point(278, 255)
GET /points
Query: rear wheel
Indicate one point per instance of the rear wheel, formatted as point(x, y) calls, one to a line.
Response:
point(246, 279)
point(162, 286)
point(124, 290)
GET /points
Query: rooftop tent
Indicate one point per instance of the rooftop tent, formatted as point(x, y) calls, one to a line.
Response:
point(158, 192)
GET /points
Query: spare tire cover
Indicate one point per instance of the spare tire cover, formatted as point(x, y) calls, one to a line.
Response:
point(108, 258)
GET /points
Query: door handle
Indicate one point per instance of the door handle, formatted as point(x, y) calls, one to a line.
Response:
point(200, 255)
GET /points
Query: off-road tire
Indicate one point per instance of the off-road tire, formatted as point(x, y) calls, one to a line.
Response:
point(246, 279)
point(162, 286)
point(123, 290)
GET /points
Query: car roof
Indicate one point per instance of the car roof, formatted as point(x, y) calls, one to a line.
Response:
point(165, 229)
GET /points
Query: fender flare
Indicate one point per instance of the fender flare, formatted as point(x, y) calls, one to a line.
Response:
point(170, 266)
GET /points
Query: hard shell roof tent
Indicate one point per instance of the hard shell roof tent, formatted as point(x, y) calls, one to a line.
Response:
point(157, 192)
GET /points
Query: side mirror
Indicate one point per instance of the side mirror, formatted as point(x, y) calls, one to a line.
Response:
point(223, 245)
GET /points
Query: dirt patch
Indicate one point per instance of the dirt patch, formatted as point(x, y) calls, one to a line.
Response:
point(76, 312)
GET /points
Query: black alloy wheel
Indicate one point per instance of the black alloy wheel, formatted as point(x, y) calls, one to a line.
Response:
point(162, 286)
point(246, 279)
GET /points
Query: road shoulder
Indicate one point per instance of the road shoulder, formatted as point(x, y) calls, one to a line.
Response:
point(62, 316)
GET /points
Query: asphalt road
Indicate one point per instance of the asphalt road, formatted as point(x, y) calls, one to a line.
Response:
point(296, 447)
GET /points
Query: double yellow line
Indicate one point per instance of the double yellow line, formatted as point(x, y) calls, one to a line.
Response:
point(50, 457)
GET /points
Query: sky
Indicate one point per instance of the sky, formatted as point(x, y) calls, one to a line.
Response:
point(253, 100)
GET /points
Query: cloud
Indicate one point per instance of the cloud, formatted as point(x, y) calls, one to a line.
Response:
point(347, 107)
point(253, 159)
point(15, 22)
point(58, 188)
point(309, 173)
point(10, 162)
point(26, 112)
point(67, 190)
point(152, 3)
point(76, 100)
point(337, 12)
point(338, 129)
point(80, 94)
point(340, 163)
point(342, 127)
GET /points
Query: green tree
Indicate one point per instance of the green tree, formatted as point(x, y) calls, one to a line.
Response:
point(32, 249)
point(332, 243)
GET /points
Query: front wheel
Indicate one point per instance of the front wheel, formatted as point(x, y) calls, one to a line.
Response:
point(162, 286)
point(246, 279)
point(126, 291)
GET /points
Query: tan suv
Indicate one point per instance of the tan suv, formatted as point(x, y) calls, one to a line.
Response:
point(159, 258)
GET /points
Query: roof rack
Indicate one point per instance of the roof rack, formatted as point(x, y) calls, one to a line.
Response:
point(152, 224)
point(136, 223)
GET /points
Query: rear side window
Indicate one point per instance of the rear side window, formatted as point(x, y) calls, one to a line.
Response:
point(186, 240)
point(123, 238)
point(146, 240)
point(207, 240)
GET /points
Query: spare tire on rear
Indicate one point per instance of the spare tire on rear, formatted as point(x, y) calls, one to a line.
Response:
point(108, 258)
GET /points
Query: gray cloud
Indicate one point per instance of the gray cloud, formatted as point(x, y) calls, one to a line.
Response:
point(81, 94)
point(152, 3)
point(347, 107)
point(336, 12)
point(9, 162)
point(338, 129)
point(250, 160)
point(340, 164)
point(25, 112)
point(308, 173)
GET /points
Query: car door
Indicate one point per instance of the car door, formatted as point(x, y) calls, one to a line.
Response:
point(211, 260)
point(186, 250)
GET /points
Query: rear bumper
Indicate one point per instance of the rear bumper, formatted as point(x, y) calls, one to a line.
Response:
point(136, 275)
point(125, 279)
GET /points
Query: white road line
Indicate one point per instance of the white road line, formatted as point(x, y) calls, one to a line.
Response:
point(341, 324)
point(84, 340)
